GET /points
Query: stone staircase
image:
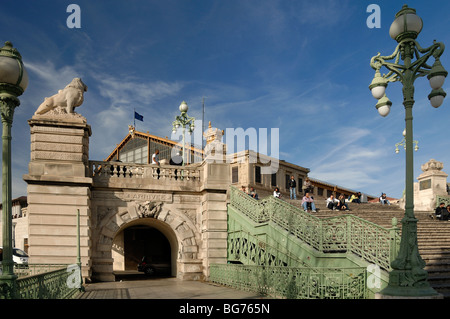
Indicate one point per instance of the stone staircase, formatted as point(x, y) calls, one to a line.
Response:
point(433, 235)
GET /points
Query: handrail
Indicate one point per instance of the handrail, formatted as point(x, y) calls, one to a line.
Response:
point(348, 233)
point(244, 247)
point(41, 281)
point(294, 282)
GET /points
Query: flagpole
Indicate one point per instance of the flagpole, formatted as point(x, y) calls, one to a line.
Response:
point(134, 117)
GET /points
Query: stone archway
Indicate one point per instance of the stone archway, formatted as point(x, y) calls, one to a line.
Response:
point(178, 228)
point(120, 242)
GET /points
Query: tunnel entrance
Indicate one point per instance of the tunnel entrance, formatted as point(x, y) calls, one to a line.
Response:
point(142, 241)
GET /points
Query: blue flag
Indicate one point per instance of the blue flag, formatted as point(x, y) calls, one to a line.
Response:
point(138, 116)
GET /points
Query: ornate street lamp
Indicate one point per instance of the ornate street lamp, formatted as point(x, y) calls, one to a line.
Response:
point(408, 277)
point(13, 82)
point(403, 143)
point(184, 121)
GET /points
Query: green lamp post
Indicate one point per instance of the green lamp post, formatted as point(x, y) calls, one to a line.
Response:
point(13, 82)
point(184, 121)
point(408, 277)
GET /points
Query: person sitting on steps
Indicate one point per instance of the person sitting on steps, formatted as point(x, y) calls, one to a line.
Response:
point(441, 212)
point(383, 199)
point(276, 193)
point(307, 186)
point(332, 202)
point(308, 203)
point(253, 193)
point(341, 204)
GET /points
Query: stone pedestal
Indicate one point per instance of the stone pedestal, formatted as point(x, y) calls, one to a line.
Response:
point(58, 186)
point(214, 228)
point(432, 182)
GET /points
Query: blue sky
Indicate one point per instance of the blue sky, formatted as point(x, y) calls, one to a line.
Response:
point(299, 66)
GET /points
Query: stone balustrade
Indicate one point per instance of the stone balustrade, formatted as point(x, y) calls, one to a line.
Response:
point(101, 170)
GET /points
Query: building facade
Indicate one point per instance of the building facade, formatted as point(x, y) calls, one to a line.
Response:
point(175, 216)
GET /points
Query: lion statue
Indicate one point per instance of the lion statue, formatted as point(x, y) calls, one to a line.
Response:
point(68, 98)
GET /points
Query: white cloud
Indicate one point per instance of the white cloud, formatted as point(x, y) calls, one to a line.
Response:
point(50, 75)
point(134, 91)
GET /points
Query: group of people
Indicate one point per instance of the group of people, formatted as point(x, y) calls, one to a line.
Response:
point(174, 160)
point(292, 184)
point(442, 212)
point(251, 193)
point(337, 203)
point(308, 200)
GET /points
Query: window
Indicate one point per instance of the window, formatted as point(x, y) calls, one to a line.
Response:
point(257, 174)
point(234, 175)
point(273, 182)
point(135, 151)
point(288, 178)
point(320, 191)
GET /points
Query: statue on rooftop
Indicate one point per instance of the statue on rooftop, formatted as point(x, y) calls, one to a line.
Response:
point(66, 100)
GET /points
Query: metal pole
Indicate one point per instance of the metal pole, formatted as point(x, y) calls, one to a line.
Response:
point(79, 249)
point(184, 132)
point(7, 107)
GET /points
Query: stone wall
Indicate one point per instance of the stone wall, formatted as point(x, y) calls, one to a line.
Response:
point(58, 187)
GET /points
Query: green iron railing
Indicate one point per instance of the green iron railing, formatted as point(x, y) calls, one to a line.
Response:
point(442, 199)
point(293, 282)
point(36, 269)
point(42, 281)
point(250, 250)
point(345, 233)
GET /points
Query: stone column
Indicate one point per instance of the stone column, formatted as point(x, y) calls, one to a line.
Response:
point(217, 180)
point(58, 185)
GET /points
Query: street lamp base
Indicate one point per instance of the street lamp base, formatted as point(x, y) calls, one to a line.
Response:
point(394, 290)
point(8, 286)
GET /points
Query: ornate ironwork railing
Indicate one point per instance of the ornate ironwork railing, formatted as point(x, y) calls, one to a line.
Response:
point(345, 233)
point(41, 281)
point(36, 269)
point(250, 250)
point(293, 282)
point(100, 169)
point(442, 199)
